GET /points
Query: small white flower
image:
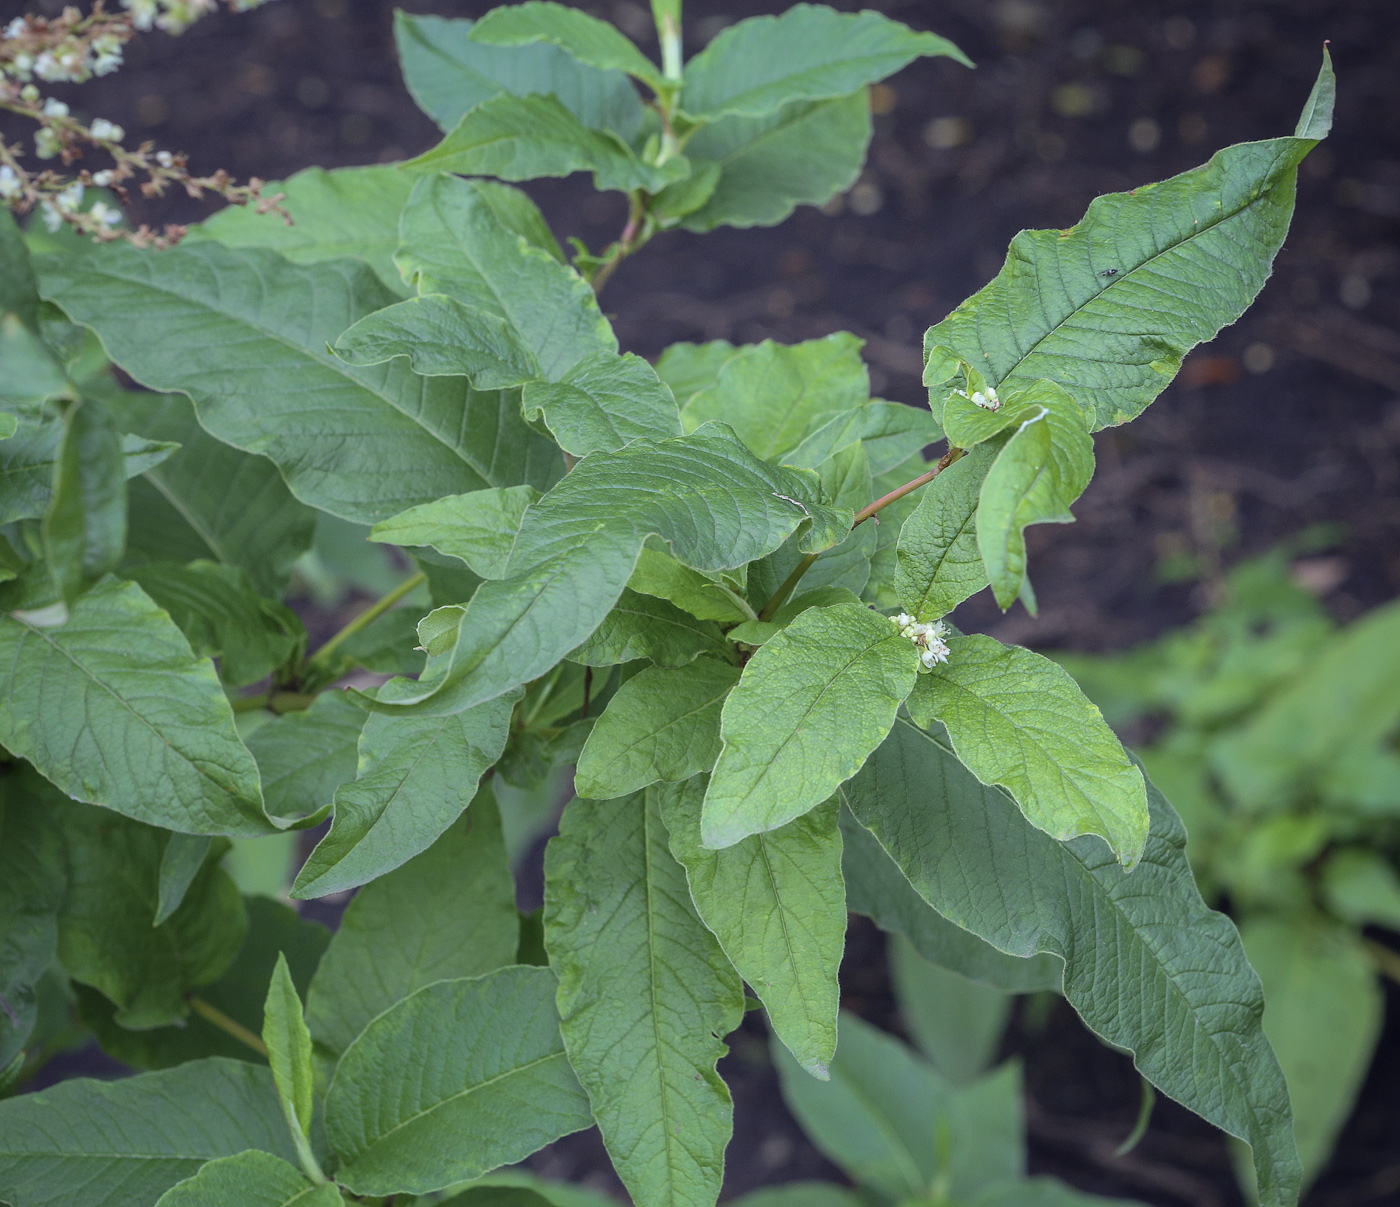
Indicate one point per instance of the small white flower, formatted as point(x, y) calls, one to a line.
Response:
point(105, 131)
point(928, 639)
point(165, 159)
point(987, 399)
point(70, 199)
point(52, 218)
point(10, 185)
point(105, 215)
point(53, 108)
point(46, 67)
point(17, 28)
point(45, 143)
point(22, 64)
point(103, 178)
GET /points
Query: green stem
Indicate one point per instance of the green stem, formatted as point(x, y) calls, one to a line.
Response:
point(780, 596)
point(634, 234)
point(365, 619)
point(215, 1016)
point(668, 29)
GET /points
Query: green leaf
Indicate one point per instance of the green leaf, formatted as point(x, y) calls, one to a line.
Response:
point(459, 1078)
point(939, 564)
point(645, 995)
point(663, 724)
point(1362, 887)
point(777, 905)
point(223, 617)
point(690, 368)
point(808, 53)
point(303, 757)
point(289, 1050)
point(804, 154)
point(585, 37)
point(717, 505)
point(893, 1124)
point(208, 500)
point(893, 433)
point(1046, 1192)
point(705, 596)
point(84, 526)
point(526, 137)
point(251, 1179)
point(1018, 720)
point(1110, 307)
point(19, 292)
point(124, 1143)
point(184, 856)
point(244, 333)
point(449, 72)
point(32, 374)
point(640, 626)
point(1147, 965)
point(603, 403)
point(773, 395)
point(1322, 1013)
point(799, 1194)
point(478, 527)
point(139, 725)
point(342, 212)
point(447, 913)
point(27, 465)
point(813, 703)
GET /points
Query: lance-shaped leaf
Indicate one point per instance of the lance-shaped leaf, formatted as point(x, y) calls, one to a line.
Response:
point(132, 719)
point(1018, 720)
point(479, 527)
point(457, 1079)
point(645, 997)
point(1148, 966)
point(1019, 489)
point(526, 137)
point(447, 913)
point(1110, 307)
point(124, 1143)
point(289, 1050)
point(777, 905)
point(717, 505)
point(342, 212)
point(603, 403)
point(416, 775)
point(809, 53)
point(585, 37)
point(244, 333)
point(84, 527)
point(663, 724)
point(448, 72)
point(303, 757)
point(939, 564)
point(813, 703)
point(251, 1179)
point(641, 626)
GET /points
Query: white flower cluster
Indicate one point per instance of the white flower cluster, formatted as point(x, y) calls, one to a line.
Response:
point(928, 639)
point(175, 16)
point(72, 60)
point(10, 184)
point(986, 399)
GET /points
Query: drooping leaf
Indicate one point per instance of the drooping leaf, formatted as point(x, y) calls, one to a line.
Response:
point(124, 1143)
point(939, 564)
point(706, 494)
point(603, 403)
point(137, 724)
point(1147, 965)
point(244, 333)
point(585, 37)
point(447, 913)
point(645, 993)
point(251, 1179)
point(812, 704)
point(303, 757)
point(756, 632)
point(84, 526)
point(705, 596)
point(416, 776)
point(479, 527)
point(777, 904)
point(1110, 307)
point(457, 1079)
point(690, 368)
point(641, 626)
point(1018, 720)
point(289, 1050)
point(663, 724)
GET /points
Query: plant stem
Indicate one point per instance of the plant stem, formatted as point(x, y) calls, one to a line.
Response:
point(1384, 958)
point(627, 242)
point(668, 30)
point(212, 1014)
point(365, 619)
point(780, 596)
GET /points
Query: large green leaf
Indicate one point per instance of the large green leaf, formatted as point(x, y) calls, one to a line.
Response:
point(447, 913)
point(244, 333)
point(894, 433)
point(716, 504)
point(303, 757)
point(690, 368)
point(449, 72)
point(1018, 720)
point(19, 294)
point(1110, 307)
point(585, 37)
point(84, 528)
point(663, 724)
point(123, 1143)
point(603, 403)
point(645, 995)
point(641, 626)
point(706, 596)
point(455, 1080)
point(478, 528)
point(777, 904)
point(251, 1179)
point(342, 212)
point(939, 565)
point(416, 776)
point(809, 53)
point(132, 720)
point(813, 703)
point(1147, 965)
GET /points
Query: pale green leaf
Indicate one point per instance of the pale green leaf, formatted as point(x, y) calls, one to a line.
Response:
point(138, 724)
point(1018, 720)
point(180, 863)
point(478, 527)
point(1147, 965)
point(84, 526)
point(1362, 887)
point(939, 564)
point(705, 596)
point(244, 333)
point(645, 997)
point(808, 53)
point(1110, 307)
point(641, 626)
point(585, 37)
point(663, 724)
point(690, 368)
point(800, 1194)
point(416, 776)
point(684, 197)
point(894, 433)
point(603, 403)
point(124, 1143)
point(447, 913)
point(777, 905)
point(813, 703)
point(457, 1079)
point(303, 757)
point(289, 1049)
point(251, 1179)
point(756, 632)
point(1045, 1192)
point(32, 374)
point(19, 293)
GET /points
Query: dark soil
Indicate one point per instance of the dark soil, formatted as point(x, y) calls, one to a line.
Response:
point(1290, 419)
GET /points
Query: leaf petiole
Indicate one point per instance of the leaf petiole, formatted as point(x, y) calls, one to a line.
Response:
point(216, 1017)
point(366, 618)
